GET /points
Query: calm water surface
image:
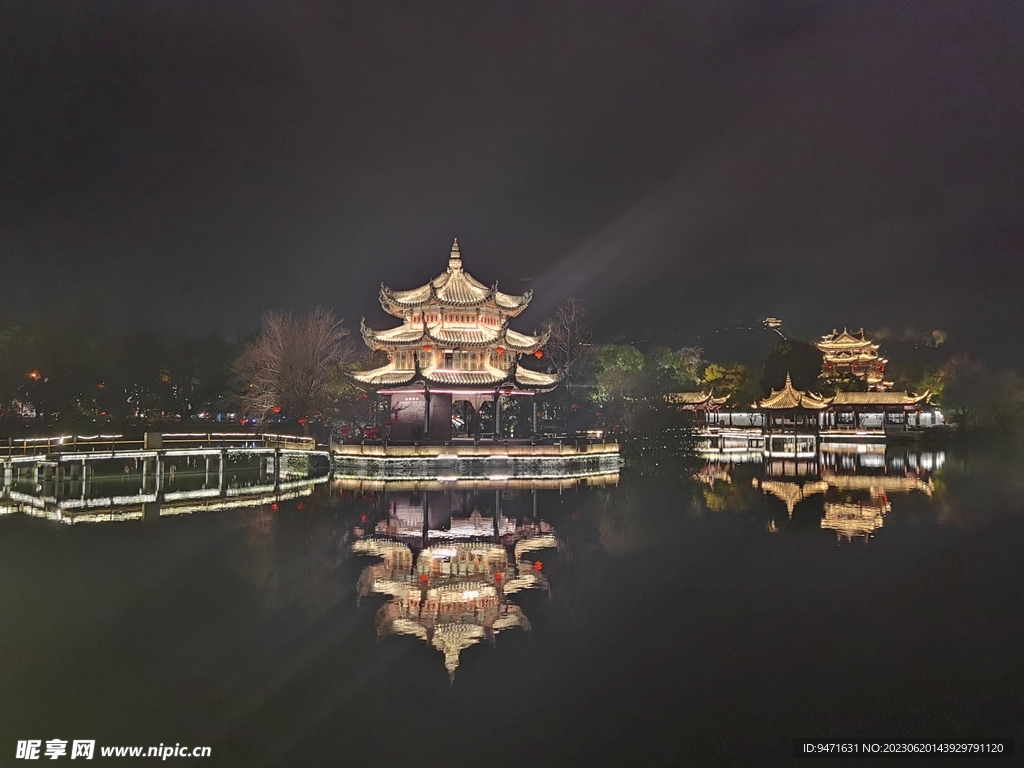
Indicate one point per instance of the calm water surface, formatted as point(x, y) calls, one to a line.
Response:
point(694, 613)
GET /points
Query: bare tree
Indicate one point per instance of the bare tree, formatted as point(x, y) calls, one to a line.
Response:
point(287, 369)
point(570, 345)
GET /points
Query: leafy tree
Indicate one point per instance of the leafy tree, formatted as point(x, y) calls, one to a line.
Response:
point(737, 382)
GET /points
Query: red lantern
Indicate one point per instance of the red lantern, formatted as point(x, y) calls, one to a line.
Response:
point(363, 396)
point(575, 407)
point(499, 576)
point(428, 348)
point(303, 421)
point(538, 354)
point(276, 409)
point(424, 578)
point(274, 507)
point(500, 350)
point(538, 565)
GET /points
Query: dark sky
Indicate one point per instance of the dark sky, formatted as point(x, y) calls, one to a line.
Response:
point(681, 167)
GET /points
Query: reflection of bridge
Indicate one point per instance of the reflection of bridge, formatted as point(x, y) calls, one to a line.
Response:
point(567, 460)
point(70, 478)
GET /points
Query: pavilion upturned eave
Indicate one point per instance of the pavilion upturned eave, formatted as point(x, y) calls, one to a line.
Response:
point(388, 376)
point(789, 398)
point(480, 337)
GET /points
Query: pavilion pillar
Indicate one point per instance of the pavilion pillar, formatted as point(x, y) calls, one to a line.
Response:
point(534, 399)
point(496, 421)
point(426, 410)
point(221, 461)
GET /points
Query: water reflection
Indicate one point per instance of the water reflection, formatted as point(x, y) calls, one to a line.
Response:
point(449, 560)
point(847, 487)
point(118, 489)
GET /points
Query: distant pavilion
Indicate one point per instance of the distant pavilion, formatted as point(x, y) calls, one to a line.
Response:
point(453, 363)
point(853, 354)
point(791, 419)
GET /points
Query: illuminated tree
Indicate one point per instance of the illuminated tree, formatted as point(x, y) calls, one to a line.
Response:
point(737, 382)
point(289, 367)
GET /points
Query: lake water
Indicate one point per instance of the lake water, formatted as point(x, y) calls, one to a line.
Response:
point(691, 613)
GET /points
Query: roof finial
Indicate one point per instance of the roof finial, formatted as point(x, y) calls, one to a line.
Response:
point(789, 381)
point(455, 260)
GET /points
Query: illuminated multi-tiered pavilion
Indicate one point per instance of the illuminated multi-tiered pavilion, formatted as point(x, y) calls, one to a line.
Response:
point(852, 354)
point(453, 348)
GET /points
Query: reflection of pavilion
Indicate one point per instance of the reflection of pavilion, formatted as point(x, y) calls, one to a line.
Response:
point(855, 482)
point(454, 592)
point(855, 520)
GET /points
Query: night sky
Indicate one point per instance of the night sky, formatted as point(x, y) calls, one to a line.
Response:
point(681, 167)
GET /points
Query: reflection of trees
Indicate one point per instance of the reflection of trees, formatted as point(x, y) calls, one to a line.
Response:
point(973, 487)
point(295, 556)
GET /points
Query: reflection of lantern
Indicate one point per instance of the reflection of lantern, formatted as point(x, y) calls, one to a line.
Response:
point(424, 578)
point(303, 421)
point(538, 565)
point(575, 407)
point(363, 396)
point(499, 576)
point(274, 507)
point(538, 354)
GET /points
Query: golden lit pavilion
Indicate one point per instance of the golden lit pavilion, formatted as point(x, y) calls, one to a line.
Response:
point(852, 354)
point(454, 361)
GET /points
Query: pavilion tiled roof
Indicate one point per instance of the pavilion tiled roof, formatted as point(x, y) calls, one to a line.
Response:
point(488, 376)
point(788, 397)
point(453, 288)
point(836, 341)
point(441, 335)
point(694, 398)
point(524, 377)
point(879, 398)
